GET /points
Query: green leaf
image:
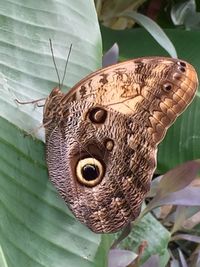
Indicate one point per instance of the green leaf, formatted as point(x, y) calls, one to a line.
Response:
point(154, 29)
point(27, 70)
point(36, 227)
point(182, 141)
point(149, 230)
point(2, 258)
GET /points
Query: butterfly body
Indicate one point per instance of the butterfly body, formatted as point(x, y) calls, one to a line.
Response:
point(102, 136)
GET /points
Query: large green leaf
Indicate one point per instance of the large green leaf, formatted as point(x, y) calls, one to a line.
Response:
point(36, 228)
point(27, 70)
point(182, 141)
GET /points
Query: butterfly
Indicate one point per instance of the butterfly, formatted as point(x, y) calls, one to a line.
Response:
point(102, 136)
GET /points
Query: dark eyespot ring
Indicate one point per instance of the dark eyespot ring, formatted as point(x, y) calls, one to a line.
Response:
point(97, 115)
point(182, 69)
point(181, 63)
point(90, 171)
point(167, 87)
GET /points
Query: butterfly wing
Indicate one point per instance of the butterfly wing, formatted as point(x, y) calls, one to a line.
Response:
point(108, 127)
point(157, 89)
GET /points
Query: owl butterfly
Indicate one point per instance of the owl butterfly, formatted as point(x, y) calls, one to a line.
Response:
point(102, 136)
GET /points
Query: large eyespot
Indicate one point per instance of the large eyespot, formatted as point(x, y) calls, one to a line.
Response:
point(90, 171)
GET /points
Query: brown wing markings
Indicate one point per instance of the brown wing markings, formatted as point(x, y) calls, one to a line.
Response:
point(184, 76)
point(73, 96)
point(139, 67)
point(49, 135)
point(120, 76)
point(179, 92)
point(156, 99)
point(145, 61)
point(83, 91)
point(175, 106)
point(172, 93)
point(144, 106)
point(51, 108)
point(135, 87)
point(182, 81)
point(119, 73)
point(104, 79)
point(154, 96)
point(87, 83)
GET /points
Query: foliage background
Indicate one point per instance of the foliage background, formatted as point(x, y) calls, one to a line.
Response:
point(36, 228)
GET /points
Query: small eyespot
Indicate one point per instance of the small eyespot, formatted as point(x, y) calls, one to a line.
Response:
point(109, 144)
point(181, 63)
point(167, 87)
point(182, 69)
point(90, 171)
point(97, 115)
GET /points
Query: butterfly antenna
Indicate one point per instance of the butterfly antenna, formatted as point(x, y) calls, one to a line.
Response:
point(64, 73)
point(54, 62)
